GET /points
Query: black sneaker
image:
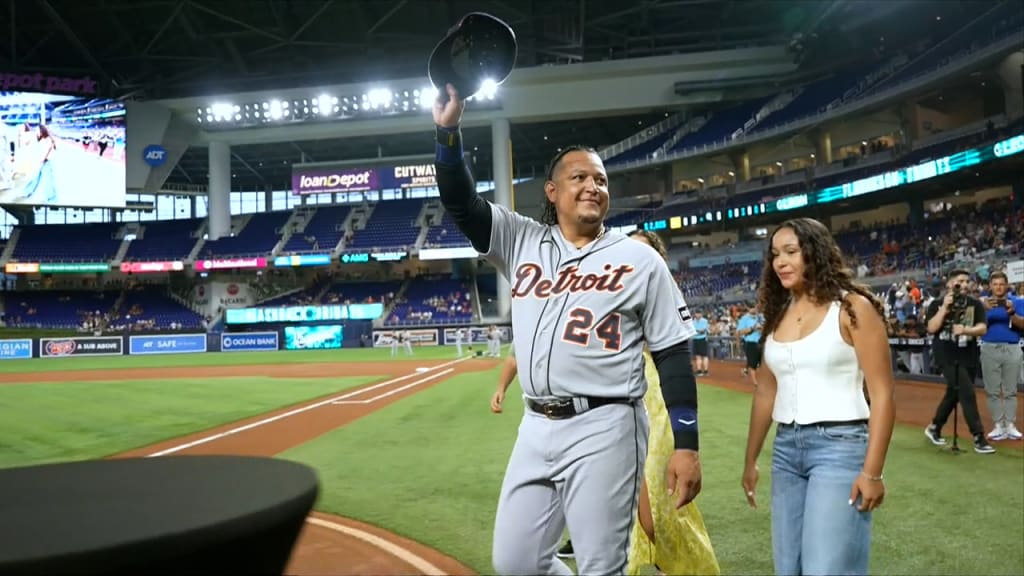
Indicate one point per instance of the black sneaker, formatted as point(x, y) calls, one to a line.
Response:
point(981, 446)
point(934, 435)
point(566, 550)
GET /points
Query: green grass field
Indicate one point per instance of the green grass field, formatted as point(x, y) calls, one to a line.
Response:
point(429, 467)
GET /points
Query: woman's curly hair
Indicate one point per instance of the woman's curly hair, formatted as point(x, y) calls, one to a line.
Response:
point(825, 275)
point(653, 239)
point(549, 216)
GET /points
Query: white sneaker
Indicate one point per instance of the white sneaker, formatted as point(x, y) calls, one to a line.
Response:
point(1012, 433)
point(998, 433)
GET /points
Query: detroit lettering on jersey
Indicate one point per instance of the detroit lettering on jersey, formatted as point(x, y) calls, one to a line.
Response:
point(530, 279)
point(582, 316)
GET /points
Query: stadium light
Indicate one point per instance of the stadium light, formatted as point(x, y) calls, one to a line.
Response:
point(488, 89)
point(427, 97)
point(275, 109)
point(379, 98)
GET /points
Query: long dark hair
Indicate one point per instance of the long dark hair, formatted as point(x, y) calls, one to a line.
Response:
point(549, 216)
point(825, 275)
point(654, 240)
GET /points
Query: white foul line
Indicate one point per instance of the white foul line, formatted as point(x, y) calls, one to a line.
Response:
point(397, 390)
point(290, 413)
point(402, 554)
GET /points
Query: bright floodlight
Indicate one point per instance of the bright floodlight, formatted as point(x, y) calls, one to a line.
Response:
point(222, 110)
point(488, 89)
point(380, 98)
point(275, 109)
point(427, 97)
point(325, 104)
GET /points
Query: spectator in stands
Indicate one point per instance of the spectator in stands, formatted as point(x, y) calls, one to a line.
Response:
point(911, 355)
point(824, 338)
point(955, 323)
point(700, 344)
point(1001, 356)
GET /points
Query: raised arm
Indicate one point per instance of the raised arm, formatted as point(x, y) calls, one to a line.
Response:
point(471, 213)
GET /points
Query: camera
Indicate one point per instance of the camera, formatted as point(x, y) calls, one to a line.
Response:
point(956, 309)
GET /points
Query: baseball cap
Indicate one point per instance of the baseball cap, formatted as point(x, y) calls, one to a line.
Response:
point(479, 47)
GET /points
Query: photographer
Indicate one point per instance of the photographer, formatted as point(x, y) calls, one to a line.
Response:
point(1001, 357)
point(956, 321)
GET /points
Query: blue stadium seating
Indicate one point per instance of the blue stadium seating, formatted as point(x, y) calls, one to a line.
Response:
point(66, 309)
point(433, 300)
point(163, 240)
point(445, 234)
point(721, 125)
point(325, 226)
point(392, 225)
point(257, 238)
point(67, 243)
point(152, 307)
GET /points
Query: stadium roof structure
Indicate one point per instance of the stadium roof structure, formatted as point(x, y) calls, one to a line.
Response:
point(188, 49)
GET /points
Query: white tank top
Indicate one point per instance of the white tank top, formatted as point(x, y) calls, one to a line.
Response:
point(818, 376)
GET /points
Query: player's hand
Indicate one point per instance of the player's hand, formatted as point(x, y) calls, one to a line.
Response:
point(871, 493)
point(1009, 307)
point(749, 482)
point(448, 107)
point(683, 476)
point(497, 400)
point(947, 301)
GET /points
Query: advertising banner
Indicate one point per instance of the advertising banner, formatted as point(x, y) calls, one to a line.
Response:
point(323, 337)
point(21, 267)
point(448, 253)
point(409, 176)
point(167, 344)
point(143, 267)
point(16, 349)
point(309, 180)
point(81, 346)
point(248, 341)
point(75, 268)
point(303, 260)
point(364, 257)
point(418, 337)
point(230, 264)
point(477, 334)
point(304, 313)
point(213, 296)
point(1015, 271)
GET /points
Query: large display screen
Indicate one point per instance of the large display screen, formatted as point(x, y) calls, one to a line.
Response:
point(324, 337)
point(62, 150)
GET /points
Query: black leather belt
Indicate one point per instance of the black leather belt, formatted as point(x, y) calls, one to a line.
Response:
point(561, 409)
point(828, 423)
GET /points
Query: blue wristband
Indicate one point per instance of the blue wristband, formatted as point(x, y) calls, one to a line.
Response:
point(448, 147)
point(684, 419)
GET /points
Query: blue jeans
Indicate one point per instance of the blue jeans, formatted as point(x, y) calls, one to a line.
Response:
point(814, 529)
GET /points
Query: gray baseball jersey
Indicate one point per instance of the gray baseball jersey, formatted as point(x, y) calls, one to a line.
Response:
point(580, 317)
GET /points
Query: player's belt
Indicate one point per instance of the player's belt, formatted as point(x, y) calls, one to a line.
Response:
point(567, 408)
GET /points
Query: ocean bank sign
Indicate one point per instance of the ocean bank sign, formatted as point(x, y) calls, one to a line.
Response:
point(248, 342)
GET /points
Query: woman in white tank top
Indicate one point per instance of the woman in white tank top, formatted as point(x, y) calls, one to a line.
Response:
point(824, 338)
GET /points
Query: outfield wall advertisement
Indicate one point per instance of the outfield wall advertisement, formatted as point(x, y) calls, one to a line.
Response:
point(18, 349)
point(167, 344)
point(249, 341)
point(81, 346)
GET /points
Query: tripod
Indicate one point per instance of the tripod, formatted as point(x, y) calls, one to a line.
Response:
point(955, 448)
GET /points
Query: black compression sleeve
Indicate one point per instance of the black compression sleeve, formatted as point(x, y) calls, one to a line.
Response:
point(679, 389)
point(471, 213)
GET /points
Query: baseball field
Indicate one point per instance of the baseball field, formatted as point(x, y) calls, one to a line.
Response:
point(410, 458)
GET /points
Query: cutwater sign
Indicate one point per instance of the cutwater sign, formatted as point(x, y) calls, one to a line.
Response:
point(248, 342)
point(154, 155)
point(15, 349)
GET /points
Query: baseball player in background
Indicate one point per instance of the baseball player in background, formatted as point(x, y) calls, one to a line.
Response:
point(585, 301)
point(395, 340)
point(494, 342)
point(407, 342)
point(460, 336)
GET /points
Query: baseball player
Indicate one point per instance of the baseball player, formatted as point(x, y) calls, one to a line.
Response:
point(460, 336)
point(395, 340)
point(407, 341)
point(585, 300)
point(494, 341)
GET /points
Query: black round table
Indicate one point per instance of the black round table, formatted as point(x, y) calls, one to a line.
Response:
point(169, 515)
